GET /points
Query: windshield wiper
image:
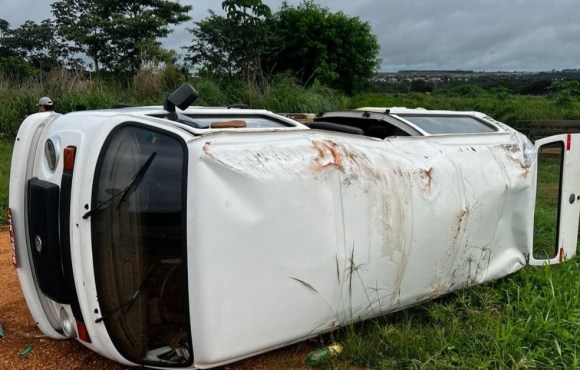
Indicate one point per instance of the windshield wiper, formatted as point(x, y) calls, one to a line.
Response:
point(132, 299)
point(137, 179)
point(129, 189)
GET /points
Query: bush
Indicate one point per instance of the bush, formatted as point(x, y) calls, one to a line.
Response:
point(171, 78)
point(465, 91)
point(210, 93)
point(564, 92)
point(147, 84)
point(284, 94)
point(421, 85)
point(16, 69)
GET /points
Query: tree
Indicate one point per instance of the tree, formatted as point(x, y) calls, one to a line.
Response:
point(5, 34)
point(37, 44)
point(539, 87)
point(564, 92)
point(249, 32)
point(79, 22)
point(11, 64)
point(211, 50)
point(306, 41)
point(232, 45)
point(421, 85)
point(120, 35)
point(314, 43)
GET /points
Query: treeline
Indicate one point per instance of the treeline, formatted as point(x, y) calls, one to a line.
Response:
point(540, 84)
point(523, 86)
point(250, 42)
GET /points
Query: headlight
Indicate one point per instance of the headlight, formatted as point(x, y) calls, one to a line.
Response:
point(51, 152)
point(67, 324)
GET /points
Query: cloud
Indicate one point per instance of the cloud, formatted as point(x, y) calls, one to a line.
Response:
point(436, 34)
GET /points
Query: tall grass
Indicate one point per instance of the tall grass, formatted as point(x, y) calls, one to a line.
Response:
point(528, 320)
point(150, 87)
point(5, 156)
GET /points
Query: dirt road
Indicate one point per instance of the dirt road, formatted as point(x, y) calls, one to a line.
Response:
point(21, 331)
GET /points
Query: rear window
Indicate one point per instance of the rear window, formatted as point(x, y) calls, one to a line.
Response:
point(450, 124)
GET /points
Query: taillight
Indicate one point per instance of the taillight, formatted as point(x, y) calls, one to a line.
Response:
point(83, 332)
point(69, 158)
point(12, 243)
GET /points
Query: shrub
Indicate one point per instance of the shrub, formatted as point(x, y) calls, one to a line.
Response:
point(147, 84)
point(15, 68)
point(171, 78)
point(564, 92)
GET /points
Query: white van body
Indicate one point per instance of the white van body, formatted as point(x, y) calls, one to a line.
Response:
point(195, 247)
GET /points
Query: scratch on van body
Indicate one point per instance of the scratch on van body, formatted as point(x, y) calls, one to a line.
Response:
point(328, 156)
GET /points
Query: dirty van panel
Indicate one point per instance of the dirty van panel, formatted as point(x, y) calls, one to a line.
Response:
point(383, 225)
point(550, 160)
point(139, 246)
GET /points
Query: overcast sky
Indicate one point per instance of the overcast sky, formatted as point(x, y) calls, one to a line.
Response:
point(482, 35)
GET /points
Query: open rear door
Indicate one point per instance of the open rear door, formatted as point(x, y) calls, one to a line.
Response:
point(557, 199)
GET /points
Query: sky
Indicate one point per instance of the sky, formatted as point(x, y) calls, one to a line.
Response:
point(480, 35)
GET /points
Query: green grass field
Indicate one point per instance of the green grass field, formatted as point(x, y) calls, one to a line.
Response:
point(528, 320)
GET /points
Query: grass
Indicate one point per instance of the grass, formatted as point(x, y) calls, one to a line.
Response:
point(508, 109)
point(528, 320)
point(5, 156)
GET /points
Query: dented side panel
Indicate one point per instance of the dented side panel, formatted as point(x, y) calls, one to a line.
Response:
point(295, 233)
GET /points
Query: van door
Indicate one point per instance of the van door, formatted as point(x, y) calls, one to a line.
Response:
point(557, 199)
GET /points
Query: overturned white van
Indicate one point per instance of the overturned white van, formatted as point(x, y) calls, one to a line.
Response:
point(195, 237)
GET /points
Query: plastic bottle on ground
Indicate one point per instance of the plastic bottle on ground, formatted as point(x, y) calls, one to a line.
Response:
point(322, 355)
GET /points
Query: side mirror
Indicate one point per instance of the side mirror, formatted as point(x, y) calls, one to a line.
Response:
point(181, 98)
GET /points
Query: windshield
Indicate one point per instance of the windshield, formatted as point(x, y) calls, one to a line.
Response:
point(139, 246)
point(449, 124)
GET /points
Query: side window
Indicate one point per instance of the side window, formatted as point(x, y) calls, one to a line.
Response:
point(437, 125)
